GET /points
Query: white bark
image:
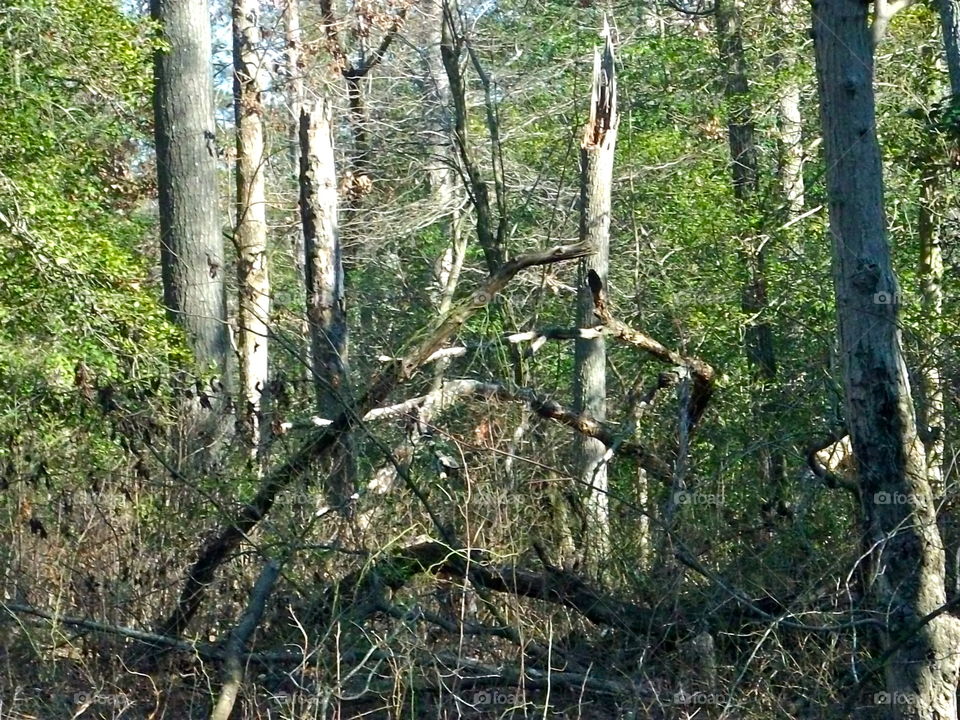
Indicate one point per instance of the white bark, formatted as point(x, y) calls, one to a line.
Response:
point(251, 225)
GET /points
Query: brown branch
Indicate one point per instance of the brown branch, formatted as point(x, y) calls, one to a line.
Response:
point(367, 65)
point(451, 47)
point(829, 478)
point(703, 373)
point(233, 668)
point(320, 442)
point(362, 590)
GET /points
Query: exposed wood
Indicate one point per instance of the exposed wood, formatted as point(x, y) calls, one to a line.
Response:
point(250, 238)
point(590, 355)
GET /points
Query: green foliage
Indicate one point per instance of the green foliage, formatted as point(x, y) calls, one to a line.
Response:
point(74, 91)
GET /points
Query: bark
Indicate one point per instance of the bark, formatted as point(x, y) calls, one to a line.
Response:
point(293, 60)
point(326, 301)
point(293, 64)
point(191, 242)
point(906, 580)
point(950, 25)
point(744, 174)
point(590, 355)
point(931, 405)
point(251, 230)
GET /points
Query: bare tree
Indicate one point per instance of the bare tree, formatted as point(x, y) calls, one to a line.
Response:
point(905, 579)
point(326, 308)
point(251, 227)
point(590, 355)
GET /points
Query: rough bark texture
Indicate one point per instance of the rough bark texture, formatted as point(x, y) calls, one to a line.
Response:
point(326, 303)
point(294, 68)
point(590, 354)
point(906, 579)
point(251, 228)
point(950, 24)
point(191, 242)
point(931, 405)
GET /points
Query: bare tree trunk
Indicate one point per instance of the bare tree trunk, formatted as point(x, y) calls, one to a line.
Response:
point(293, 60)
point(743, 157)
point(931, 294)
point(590, 355)
point(251, 229)
point(326, 303)
point(906, 582)
point(191, 242)
point(950, 24)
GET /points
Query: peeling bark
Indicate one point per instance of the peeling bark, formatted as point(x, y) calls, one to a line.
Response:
point(251, 229)
point(590, 355)
point(326, 301)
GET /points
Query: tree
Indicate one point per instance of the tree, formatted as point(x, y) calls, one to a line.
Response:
point(590, 357)
point(905, 577)
point(326, 304)
point(250, 237)
point(191, 242)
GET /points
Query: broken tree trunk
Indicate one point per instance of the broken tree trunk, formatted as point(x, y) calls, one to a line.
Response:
point(590, 355)
point(326, 303)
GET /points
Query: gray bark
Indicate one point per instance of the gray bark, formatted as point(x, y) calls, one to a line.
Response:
point(590, 355)
point(326, 302)
point(906, 579)
point(191, 242)
point(950, 24)
point(251, 229)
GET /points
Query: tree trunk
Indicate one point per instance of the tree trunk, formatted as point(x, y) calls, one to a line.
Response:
point(950, 24)
point(191, 242)
point(293, 60)
point(744, 173)
point(326, 303)
point(251, 228)
point(931, 405)
point(590, 355)
point(906, 581)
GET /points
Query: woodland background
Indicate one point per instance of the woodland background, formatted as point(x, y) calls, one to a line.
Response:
point(424, 359)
